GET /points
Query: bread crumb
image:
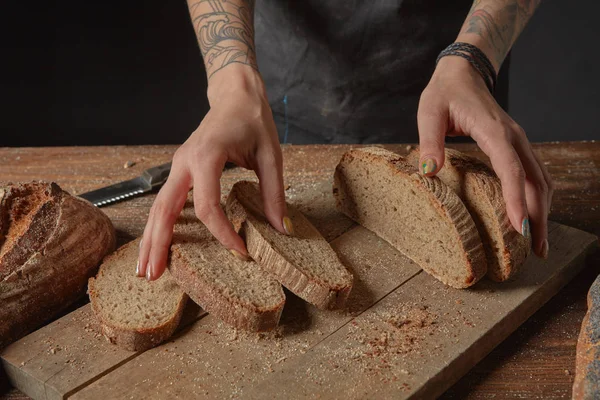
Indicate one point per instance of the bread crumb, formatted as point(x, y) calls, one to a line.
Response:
point(409, 148)
point(129, 164)
point(567, 372)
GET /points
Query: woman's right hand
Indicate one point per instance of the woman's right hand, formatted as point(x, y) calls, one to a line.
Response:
point(238, 128)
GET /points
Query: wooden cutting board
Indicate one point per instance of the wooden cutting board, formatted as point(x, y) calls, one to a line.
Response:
point(404, 335)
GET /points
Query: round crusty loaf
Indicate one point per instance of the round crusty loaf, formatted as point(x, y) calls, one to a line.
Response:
point(420, 216)
point(50, 244)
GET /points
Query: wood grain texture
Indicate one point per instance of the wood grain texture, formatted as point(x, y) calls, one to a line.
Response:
point(537, 361)
point(214, 360)
point(415, 339)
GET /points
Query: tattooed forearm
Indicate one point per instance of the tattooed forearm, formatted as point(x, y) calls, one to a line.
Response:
point(499, 23)
point(225, 31)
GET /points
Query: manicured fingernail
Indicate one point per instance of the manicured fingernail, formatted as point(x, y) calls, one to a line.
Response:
point(148, 272)
point(288, 226)
point(239, 255)
point(428, 166)
point(525, 228)
point(137, 268)
point(545, 249)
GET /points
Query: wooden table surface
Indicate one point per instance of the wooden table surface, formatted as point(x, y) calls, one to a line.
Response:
point(537, 361)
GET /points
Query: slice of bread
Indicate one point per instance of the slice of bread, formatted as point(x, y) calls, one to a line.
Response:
point(238, 292)
point(420, 216)
point(133, 313)
point(304, 263)
point(479, 188)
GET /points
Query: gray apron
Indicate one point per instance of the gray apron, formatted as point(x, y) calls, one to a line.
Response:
point(351, 71)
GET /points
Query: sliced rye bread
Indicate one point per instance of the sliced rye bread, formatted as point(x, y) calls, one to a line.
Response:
point(587, 363)
point(304, 263)
point(420, 216)
point(238, 292)
point(133, 313)
point(480, 189)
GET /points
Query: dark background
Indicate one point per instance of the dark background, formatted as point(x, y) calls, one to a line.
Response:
point(80, 73)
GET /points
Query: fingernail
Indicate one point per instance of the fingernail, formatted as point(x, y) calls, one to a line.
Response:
point(137, 268)
point(148, 272)
point(525, 228)
point(239, 255)
point(428, 166)
point(545, 249)
point(288, 226)
point(141, 241)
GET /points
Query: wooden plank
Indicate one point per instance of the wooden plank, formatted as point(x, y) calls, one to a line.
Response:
point(67, 354)
point(217, 361)
point(415, 342)
point(390, 360)
point(423, 337)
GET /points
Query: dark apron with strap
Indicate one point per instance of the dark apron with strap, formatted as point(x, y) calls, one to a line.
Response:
point(351, 71)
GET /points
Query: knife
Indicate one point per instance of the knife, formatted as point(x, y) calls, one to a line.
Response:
point(150, 179)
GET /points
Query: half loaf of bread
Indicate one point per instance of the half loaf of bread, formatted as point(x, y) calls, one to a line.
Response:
point(587, 364)
point(420, 216)
point(134, 313)
point(50, 244)
point(304, 263)
point(480, 189)
point(238, 292)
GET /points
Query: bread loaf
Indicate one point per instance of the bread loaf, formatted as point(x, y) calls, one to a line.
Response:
point(420, 216)
point(304, 262)
point(480, 189)
point(237, 292)
point(587, 364)
point(51, 244)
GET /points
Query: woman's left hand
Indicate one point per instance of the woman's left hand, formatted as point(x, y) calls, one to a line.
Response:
point(456, 102)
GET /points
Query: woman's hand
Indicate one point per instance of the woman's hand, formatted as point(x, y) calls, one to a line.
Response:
point(238, 128)
point(456, 102)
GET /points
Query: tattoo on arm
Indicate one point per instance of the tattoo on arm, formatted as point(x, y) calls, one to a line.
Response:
point(499, 22)
point(225, 31)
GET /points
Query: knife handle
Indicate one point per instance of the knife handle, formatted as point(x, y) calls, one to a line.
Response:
point(156, 176)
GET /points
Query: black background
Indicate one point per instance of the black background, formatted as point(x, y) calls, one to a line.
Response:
point(86, 73)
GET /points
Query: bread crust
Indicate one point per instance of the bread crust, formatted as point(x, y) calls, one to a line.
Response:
point(68, 251)
point(310, 288)
point(132, 339)
point(440, 196)
point(587, 364)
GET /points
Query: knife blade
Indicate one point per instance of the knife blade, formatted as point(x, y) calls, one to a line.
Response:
point(150, 179)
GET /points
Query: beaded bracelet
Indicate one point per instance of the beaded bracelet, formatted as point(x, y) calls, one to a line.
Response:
point(476, 58)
